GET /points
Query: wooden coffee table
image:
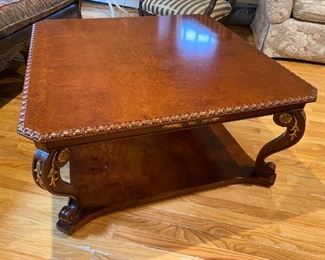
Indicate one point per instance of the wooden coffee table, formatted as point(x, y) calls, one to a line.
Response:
point(129, 104)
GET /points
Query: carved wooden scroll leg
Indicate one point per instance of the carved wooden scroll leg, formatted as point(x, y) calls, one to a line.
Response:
point(295, 122)
point(46, 173)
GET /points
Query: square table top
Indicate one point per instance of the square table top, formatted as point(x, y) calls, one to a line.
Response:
point(94, 79)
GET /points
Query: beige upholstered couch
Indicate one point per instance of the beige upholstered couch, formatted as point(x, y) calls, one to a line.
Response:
point(292, 29)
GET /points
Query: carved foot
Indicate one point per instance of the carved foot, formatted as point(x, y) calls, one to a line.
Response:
point(72, 216)
point(295, 122)
point(46, 173)
point(69, 216)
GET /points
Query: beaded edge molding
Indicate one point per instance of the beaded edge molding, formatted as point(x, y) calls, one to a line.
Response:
point(21, 129)
point(102, 129)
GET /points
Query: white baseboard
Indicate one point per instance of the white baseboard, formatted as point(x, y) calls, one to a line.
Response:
point(127, 3)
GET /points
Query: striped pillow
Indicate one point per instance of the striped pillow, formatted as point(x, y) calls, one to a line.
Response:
point(185, 7)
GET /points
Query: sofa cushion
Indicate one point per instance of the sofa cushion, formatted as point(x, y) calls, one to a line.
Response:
point(16, 14)
point(180, 7)
point(309, 10)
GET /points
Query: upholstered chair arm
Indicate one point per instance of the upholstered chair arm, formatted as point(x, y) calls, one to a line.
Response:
point(78, 3)
point(210, 7)
point(207, 12)
point(140, 4)
point(140, 8)
point(276, 11)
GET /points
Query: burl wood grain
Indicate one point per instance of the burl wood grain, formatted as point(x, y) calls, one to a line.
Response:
point(128, 171)
point(135, 69)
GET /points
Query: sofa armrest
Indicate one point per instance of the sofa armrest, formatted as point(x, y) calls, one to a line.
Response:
point(79, 2)
point(276, 11)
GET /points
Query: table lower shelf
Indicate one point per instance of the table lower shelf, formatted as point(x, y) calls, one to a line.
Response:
point(133, 169)
point(107, 176)
point(128, 172)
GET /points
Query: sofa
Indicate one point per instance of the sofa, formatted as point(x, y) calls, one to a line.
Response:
point(17, 17)
point(293, 29)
